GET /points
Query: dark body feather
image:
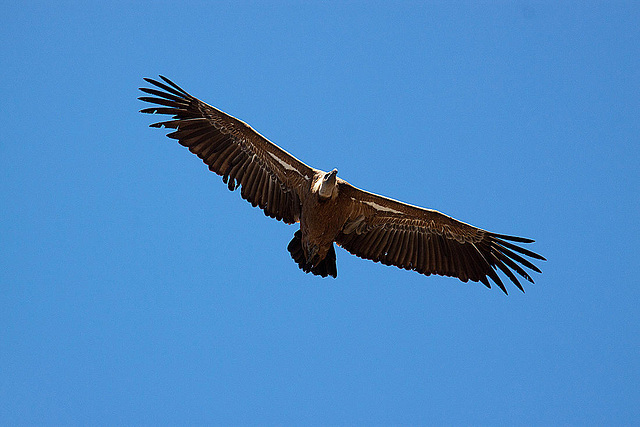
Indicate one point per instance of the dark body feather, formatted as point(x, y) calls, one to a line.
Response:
point(331, 210)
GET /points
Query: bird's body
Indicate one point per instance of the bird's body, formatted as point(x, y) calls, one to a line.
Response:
point(321, 220)
point(330, 209)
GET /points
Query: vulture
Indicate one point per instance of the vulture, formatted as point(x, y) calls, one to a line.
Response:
point(329, 209)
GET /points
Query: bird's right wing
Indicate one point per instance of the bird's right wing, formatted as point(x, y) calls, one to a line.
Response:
point(270, 177)
point(429, 242)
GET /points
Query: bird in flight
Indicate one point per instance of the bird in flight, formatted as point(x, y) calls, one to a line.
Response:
point(330, 209)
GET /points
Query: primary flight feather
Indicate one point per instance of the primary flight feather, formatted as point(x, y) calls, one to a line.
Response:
point(330, 209)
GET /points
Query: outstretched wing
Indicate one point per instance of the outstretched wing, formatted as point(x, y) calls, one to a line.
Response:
point(270, 177)
point(427, 241)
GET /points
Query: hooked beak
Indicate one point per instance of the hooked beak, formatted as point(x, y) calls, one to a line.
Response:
point(331, 176)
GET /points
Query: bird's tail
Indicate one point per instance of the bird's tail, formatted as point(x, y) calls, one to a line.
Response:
point(326, 267)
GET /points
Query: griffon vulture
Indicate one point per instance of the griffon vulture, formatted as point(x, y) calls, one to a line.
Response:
point(330, 209)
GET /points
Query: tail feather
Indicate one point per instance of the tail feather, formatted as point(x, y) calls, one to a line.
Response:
point(326, 267)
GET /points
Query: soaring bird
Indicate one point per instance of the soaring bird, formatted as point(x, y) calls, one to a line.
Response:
point(330, 209)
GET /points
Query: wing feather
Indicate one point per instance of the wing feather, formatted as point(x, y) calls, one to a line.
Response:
point(429, 242)
point(270, 177)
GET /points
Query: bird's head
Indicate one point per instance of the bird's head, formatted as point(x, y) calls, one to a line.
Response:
point(328, 184)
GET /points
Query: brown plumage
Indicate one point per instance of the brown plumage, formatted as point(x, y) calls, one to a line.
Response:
point(330, 209)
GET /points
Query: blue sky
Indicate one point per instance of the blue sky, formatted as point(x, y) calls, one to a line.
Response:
point(136, 289)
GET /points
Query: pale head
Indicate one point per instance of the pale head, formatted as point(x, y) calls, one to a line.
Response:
point(328, 184)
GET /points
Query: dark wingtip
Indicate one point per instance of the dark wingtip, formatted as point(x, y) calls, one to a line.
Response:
point(512, 238)
point(175, 86)
point(166, 79)
point(494, 275)
point(168, 86)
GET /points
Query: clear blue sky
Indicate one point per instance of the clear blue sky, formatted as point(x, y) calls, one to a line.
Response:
point(135, 288)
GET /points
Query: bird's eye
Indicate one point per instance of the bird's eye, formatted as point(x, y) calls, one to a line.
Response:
point(326, 177)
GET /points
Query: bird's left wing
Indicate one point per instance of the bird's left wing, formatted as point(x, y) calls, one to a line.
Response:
point(270, 177)
point(427, 241)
